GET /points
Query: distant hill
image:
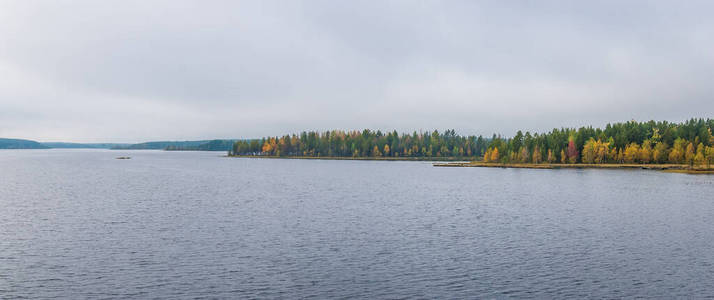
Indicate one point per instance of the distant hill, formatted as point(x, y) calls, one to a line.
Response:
point(82, 145)
point(20, 144)
point(214, 145)
point(161, 145)
point(204, 145)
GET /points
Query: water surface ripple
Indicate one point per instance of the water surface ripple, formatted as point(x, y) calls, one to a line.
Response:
point(82, 224)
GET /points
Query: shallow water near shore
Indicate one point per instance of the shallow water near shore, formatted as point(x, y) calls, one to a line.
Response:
point(83, 224)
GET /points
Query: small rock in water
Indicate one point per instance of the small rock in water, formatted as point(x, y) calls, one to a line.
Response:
point(123, 157)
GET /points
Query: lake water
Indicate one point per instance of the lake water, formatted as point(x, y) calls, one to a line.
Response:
point(82, 224)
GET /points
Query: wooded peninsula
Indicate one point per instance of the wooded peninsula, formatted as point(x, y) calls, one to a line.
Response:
point(687, 143)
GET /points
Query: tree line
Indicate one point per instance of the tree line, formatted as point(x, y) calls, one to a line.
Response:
point(366, 143)
point(688, 142)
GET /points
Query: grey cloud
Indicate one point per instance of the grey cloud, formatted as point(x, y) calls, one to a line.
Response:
point(138, 70)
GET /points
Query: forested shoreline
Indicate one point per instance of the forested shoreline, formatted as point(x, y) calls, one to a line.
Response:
point(651, 142)
point(366, 143)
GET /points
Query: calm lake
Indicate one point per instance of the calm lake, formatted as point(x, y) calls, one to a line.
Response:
point(83, 224)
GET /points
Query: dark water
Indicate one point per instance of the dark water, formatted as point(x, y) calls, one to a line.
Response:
point(82, 224)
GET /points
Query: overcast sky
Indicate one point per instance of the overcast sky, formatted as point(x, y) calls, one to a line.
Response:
point(131, 71)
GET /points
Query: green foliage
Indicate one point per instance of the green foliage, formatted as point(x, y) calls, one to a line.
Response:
point(160, 145)
point(366, 143)
point(647, 142)
point(214, 145)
